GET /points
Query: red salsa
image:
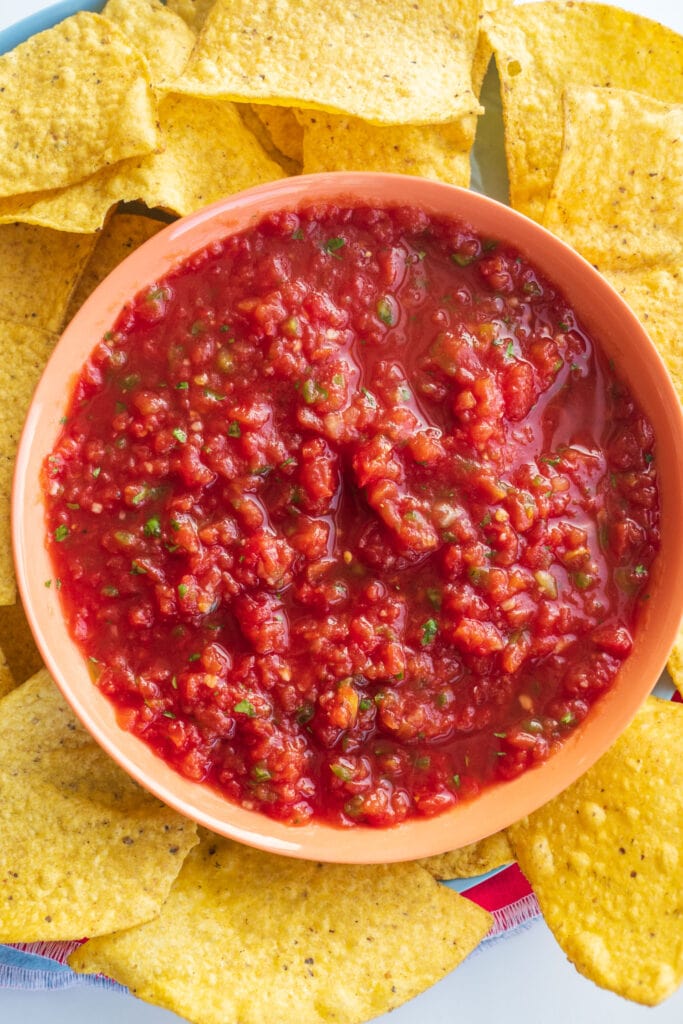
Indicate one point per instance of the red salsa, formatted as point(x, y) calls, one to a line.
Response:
point(351, 517)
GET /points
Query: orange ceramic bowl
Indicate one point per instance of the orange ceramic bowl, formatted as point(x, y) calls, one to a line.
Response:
point(603, 314)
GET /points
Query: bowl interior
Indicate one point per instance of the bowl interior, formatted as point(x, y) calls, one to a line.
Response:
point(603, 314)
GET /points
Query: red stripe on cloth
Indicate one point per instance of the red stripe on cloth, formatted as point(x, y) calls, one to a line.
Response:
point(677, 697)
point(505, 888)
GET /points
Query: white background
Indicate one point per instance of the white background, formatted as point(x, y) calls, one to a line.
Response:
point(522, 977)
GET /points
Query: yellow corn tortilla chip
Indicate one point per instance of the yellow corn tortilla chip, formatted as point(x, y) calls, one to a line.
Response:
point(675, 662)
point(18, 645)
point(484, 51)
point(25, 350)
point(161, 35)
point(284, 129)
point(72, 99)
point(385, 62)
point(308, 942)
point(605, 859)
point(208, 153)
point(7, 680)
point(39, 269)
point(333, 143)
point(655, 294)
point(469, 861)
point(542, 48)
point(620, 203)
point(255, 125)
point(193, 12)
point(121, 235)
point(83, 850)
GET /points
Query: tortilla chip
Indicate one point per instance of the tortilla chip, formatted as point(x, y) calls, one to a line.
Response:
point(72, 99)
point(18, 645)
point(25, 350)
point(7, 680)
point(604, 859)
point(162, 36)
point(620, 203)
point(334, 143)
point(484, 50)
point(469, 861)
point(255, 125)
point(543, 48)
point(284, 129)
point(39, 269)
point(208, 154)
point(656, 297)
point(308, 942)
point(193, 12)
point(83, 849)
point(122, 234)
point(387, 63)
point(675, 662)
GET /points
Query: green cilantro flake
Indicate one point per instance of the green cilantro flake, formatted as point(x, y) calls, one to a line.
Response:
point(234, 429)
point(180, 435)
point(61, 533)
point(429, 630)
point(332, 245)
point(245, 707)
point(182, 385)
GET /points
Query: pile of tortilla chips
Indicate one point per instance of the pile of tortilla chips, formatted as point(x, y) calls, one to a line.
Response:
point(170, 106)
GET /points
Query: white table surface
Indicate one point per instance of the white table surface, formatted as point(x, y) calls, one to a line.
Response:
point(523, 977)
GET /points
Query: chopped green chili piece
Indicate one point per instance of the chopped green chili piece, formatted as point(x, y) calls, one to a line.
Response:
point(245, 707)
point(61, 533)
point(386, 311)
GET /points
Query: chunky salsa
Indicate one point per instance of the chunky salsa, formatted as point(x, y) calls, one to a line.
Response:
point(351, 517)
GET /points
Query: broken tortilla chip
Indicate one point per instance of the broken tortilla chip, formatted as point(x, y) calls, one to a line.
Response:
point(604, 859)
point(541, 49)
point(251, 51)
point(309, 942)
point(332, 143)
point(620, 203)
point(73, 99)
point(83, 849)
point(208, 153)
point(469, 861)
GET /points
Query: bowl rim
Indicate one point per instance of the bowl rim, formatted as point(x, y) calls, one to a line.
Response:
point(499, 805)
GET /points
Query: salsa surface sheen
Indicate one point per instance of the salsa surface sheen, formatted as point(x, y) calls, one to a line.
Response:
point(350, 517)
